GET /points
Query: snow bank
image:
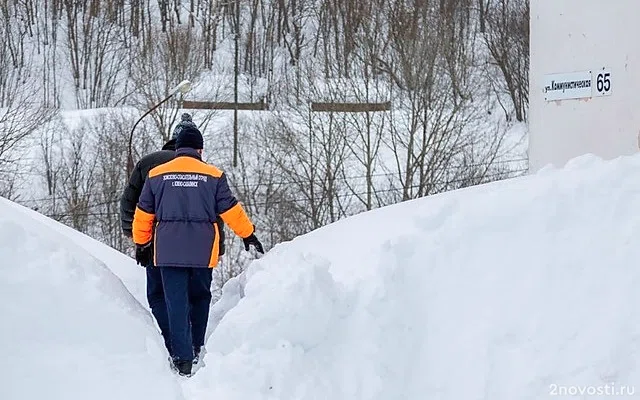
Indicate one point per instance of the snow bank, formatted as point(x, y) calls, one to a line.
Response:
point(70, 329)
point(120, 264)
point(524, 289)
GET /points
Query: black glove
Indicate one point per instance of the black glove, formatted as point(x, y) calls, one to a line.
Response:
point(253, 241)
point(144, 254)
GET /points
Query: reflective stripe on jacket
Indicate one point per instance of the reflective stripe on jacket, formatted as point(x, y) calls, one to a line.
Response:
point(179, 202)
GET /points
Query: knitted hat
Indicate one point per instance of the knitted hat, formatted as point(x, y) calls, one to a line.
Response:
point(185, 121)
point(190, 137)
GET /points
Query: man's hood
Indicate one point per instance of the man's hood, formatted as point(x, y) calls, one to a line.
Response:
point(170, 145)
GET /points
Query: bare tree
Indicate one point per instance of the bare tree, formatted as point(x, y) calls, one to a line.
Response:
point(21, 112)
point(174, 58)
point(52, 167)
point(95, 52)
point(208, 17)
point(310, 156)
point(431, 125)
point(110, 178)
point(507, 38)
point(366, 131)
point(77, 184)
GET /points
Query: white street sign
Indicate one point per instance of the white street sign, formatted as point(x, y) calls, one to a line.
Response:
point(573, 85)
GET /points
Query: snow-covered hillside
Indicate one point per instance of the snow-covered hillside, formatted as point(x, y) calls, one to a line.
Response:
point(522, 289)
point(70, 329)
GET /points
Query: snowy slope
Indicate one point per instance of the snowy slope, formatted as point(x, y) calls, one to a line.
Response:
point(70, 328)
point(123, 266)
point(526, 289)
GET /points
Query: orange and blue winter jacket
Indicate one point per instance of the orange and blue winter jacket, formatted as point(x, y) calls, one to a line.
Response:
point(178, 207)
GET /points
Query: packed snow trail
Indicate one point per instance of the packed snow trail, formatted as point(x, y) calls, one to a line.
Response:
point(70, 328)
point(525, 289)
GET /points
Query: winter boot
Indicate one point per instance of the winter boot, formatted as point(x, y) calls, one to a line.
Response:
point(196, 355)
point(183, 367)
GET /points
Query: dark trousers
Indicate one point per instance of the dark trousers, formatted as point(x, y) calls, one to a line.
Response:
point(155, 297)
point(187, 293)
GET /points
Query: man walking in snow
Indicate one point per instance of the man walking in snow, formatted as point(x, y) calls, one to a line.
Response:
point(175, 222)
point(128, 202)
